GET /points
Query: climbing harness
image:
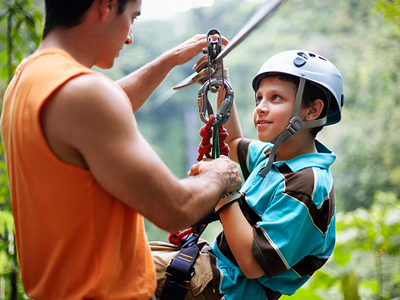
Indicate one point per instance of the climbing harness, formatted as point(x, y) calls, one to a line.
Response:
point(214, 123)
point(181, 268)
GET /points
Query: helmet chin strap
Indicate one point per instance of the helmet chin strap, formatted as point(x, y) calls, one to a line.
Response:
point(295, 125)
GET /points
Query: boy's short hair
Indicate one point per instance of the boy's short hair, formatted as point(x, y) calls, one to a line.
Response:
point(69, 13)
point(312, 92)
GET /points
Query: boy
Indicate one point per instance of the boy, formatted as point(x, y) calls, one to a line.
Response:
point(283, 229)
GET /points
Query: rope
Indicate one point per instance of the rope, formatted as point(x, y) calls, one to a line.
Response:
point(206, 146)
point(179, 237)
point(223, 147)
point(204, 149)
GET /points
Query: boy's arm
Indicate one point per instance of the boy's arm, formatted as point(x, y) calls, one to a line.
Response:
point(237, 230)
point(239, 235)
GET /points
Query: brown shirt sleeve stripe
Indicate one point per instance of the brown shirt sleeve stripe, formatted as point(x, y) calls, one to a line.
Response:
point(300, 186)
point(308, 265)
point(266, 255)
point(242, 151)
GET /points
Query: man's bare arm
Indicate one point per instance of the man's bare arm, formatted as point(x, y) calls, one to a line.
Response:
point(140, 84)
point(90, 123)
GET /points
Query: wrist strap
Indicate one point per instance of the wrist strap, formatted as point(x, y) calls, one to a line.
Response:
point(227, 199)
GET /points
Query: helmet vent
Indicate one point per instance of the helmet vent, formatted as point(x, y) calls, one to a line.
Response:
point(299, 61)
point(302, 54)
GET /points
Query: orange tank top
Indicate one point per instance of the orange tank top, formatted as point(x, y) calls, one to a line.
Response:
point(74, 240)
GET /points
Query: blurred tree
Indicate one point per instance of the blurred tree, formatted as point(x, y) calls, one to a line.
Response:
point(20, 34)
point(390, 10)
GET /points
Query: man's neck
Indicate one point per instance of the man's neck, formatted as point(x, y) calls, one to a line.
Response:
point(73, 43)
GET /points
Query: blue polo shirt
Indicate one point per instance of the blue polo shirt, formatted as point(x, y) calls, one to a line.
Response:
point(292, 211)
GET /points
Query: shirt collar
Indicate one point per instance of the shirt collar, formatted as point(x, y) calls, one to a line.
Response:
point(323, 159)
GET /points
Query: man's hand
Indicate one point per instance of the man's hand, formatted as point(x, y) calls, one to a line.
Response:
point(202, 72)
point(223, 165)
point(141, 83)
point(191, 47)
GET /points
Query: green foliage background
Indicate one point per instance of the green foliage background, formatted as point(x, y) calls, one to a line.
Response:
point(361, 37)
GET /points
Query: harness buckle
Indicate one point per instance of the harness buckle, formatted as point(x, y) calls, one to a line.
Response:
point(185, 279)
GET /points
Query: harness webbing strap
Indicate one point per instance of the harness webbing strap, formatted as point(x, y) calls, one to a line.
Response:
point(180, 271)
point(174, 289)
point(181, 268)
point(294, 126)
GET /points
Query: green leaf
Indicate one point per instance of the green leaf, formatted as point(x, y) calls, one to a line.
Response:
point(2, 14)
point(3, 57)
point(6, 223)
point(303, 294)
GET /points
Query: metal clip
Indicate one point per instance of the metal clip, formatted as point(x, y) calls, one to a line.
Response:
point(205, 108)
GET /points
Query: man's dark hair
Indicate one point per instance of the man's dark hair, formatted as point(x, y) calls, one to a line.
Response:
point(69, 13)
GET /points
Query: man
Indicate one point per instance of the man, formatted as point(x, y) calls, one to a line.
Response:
point(81, 175)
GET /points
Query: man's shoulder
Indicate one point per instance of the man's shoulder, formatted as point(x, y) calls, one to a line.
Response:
point(77, 115)
point(91, 87)
point(89, 83)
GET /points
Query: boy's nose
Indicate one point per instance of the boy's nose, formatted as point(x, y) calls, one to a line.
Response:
point(262, 107)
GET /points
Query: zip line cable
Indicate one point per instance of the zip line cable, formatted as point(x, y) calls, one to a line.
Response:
point(266, 10)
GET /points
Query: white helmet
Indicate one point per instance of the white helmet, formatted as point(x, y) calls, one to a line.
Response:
point(308, 67)
point(313, 68)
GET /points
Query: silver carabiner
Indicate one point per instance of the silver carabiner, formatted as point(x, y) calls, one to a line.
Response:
point(205, 107)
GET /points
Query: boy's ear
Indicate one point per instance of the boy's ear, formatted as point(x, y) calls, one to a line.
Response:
point(315, 110)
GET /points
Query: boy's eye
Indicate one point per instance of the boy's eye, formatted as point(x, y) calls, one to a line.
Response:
point(276, 98)
point(258, 100)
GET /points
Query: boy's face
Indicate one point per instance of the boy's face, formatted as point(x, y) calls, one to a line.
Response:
point(275, 100)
